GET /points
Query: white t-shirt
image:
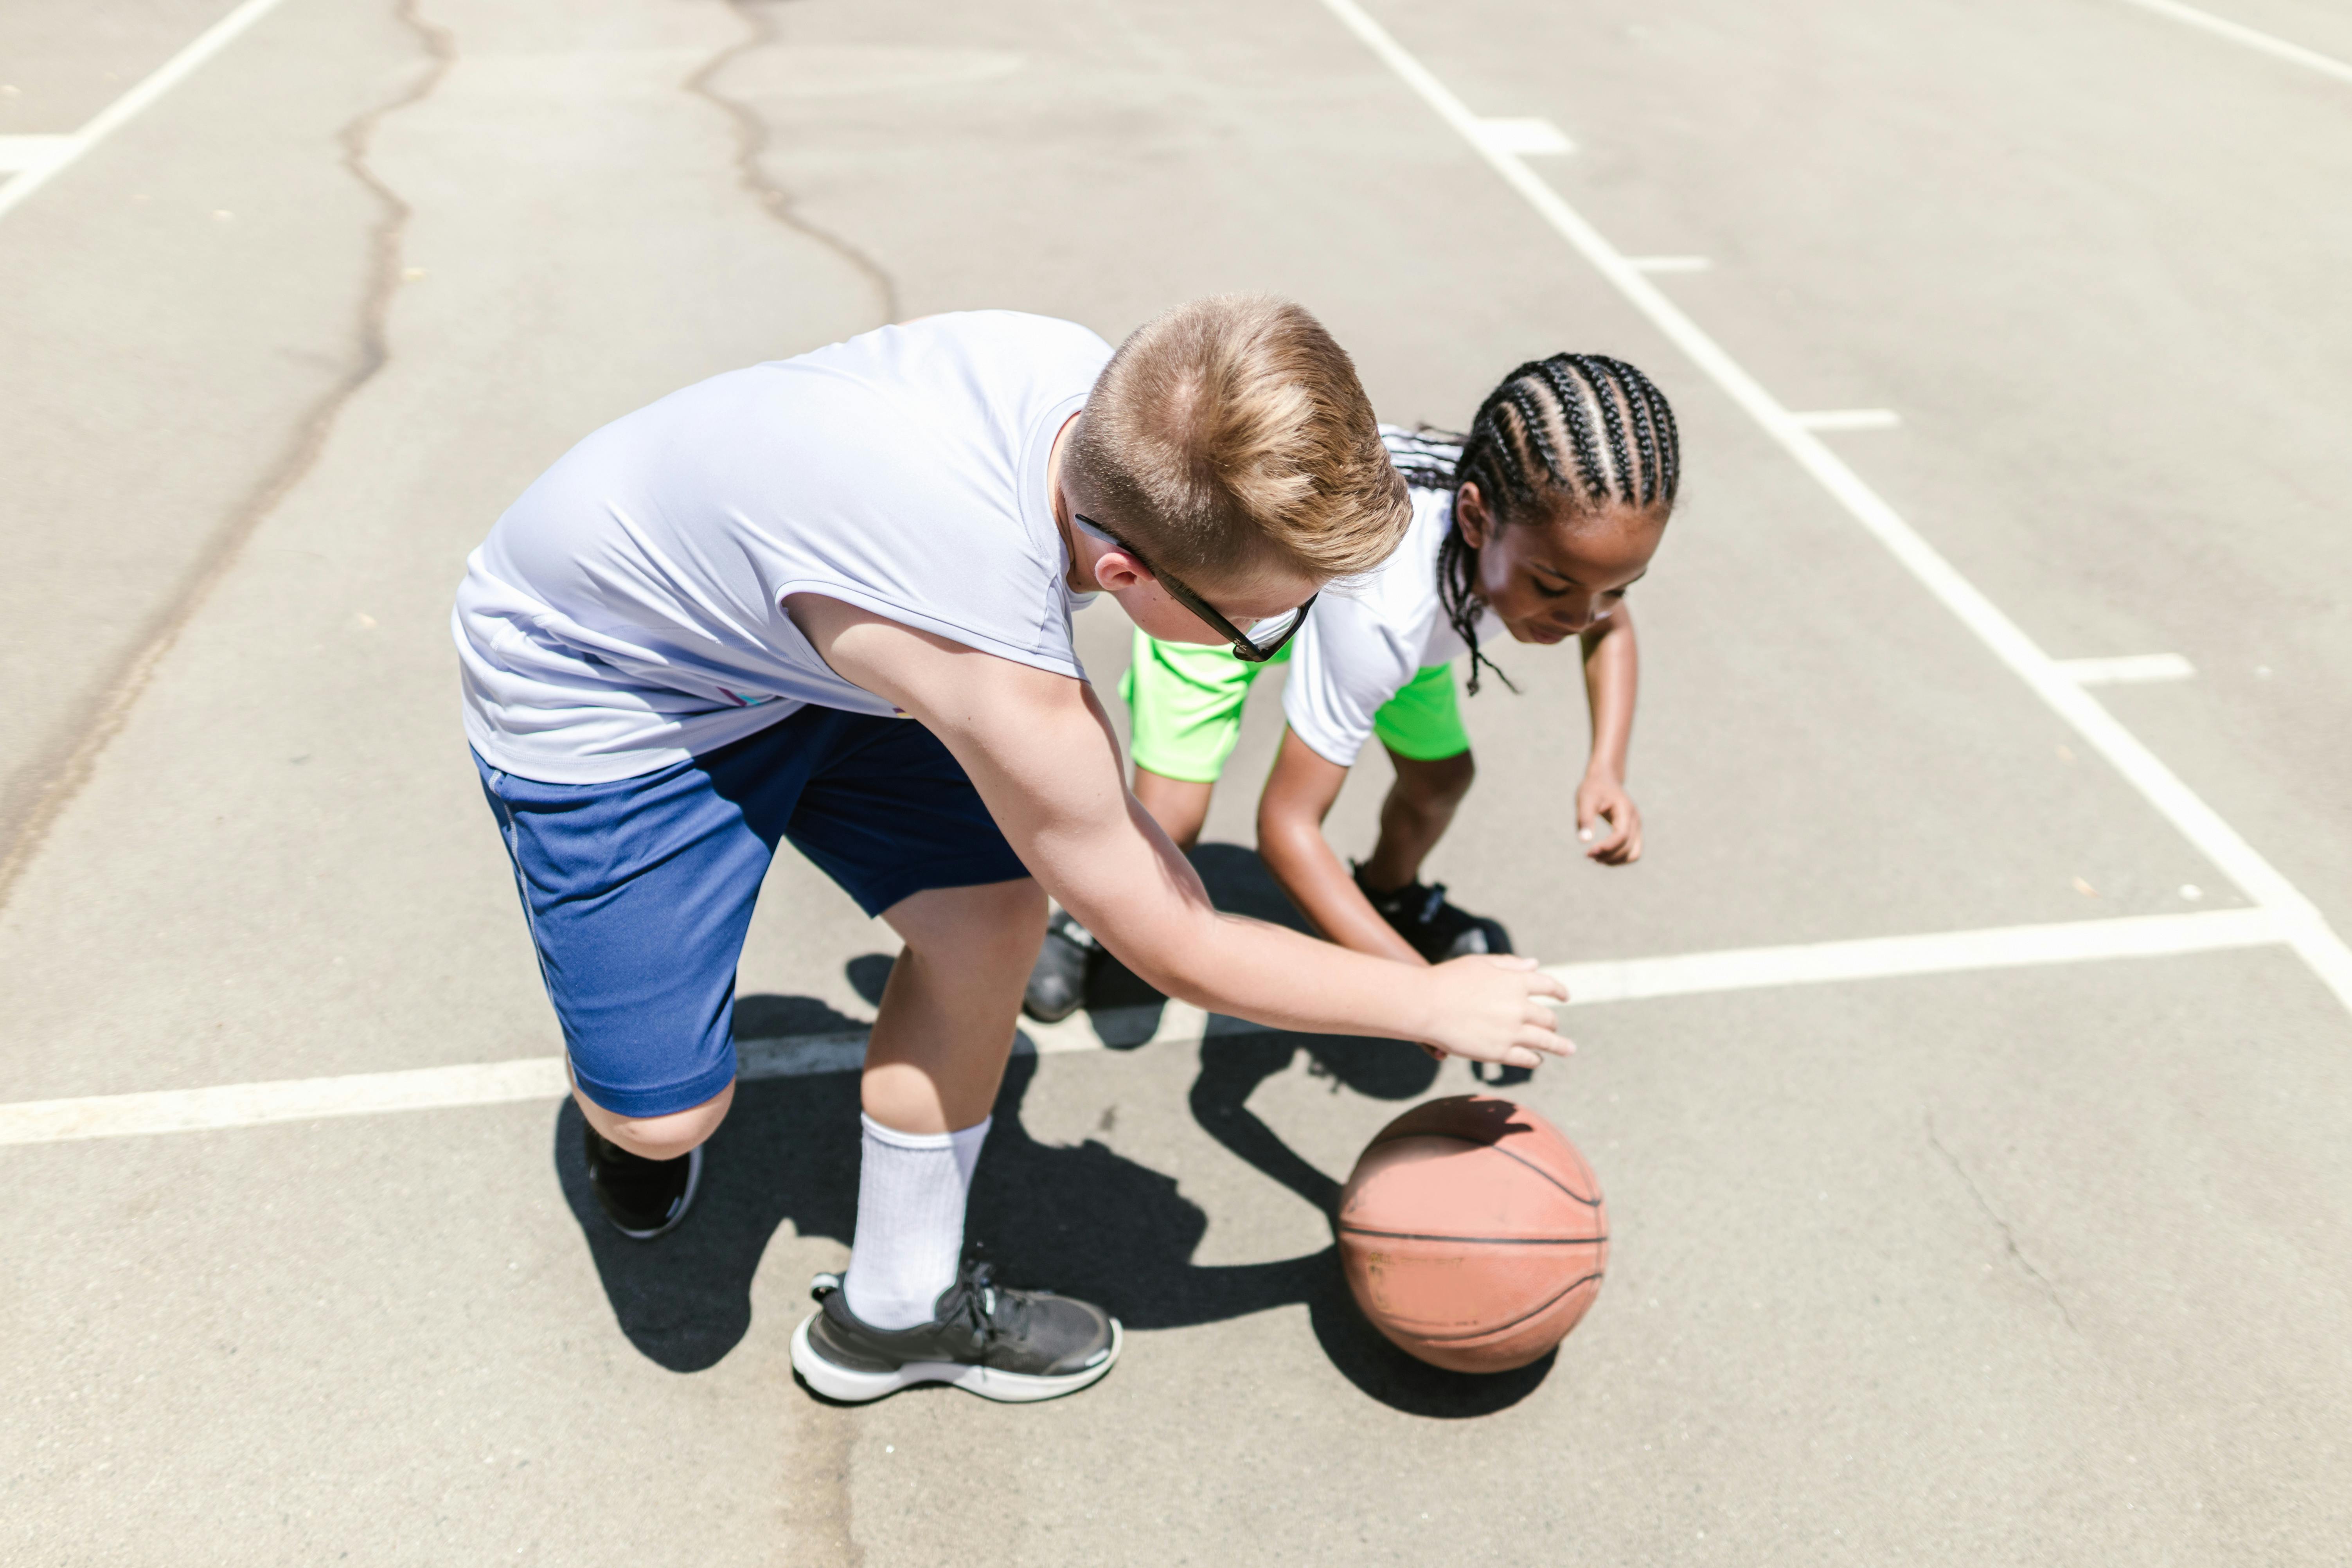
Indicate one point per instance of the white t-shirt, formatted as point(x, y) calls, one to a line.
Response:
point(627, 613)
point(1363, 641)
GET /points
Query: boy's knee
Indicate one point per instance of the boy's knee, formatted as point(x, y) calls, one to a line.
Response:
point(660, 1137)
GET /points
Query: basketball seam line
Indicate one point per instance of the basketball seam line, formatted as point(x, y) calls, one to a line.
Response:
point(1498, 1148)
point(1547, 1175)
point(1535, 1312)
point(1347, 1229)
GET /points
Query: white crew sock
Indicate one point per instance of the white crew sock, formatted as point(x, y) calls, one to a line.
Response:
point(911, 1188)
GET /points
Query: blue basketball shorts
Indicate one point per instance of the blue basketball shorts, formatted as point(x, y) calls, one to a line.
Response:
point(639, 891)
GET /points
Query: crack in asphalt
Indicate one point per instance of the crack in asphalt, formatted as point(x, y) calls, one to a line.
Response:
point(119, 692)
point(753, 137)
point(2008, 1236)
point(837, 1518)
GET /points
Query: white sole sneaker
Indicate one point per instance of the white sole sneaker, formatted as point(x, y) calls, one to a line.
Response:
point(852, 1386)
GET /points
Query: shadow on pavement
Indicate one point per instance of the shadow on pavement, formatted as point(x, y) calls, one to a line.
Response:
point(1082, 1219)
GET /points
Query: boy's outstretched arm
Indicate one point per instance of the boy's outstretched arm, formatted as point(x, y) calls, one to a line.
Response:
point(1611, 674)
point(1042, 753)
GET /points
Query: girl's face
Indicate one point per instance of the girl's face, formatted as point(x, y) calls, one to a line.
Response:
point(1556, 578)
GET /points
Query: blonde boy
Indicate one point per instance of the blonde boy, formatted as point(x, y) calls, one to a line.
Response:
point(828, 599)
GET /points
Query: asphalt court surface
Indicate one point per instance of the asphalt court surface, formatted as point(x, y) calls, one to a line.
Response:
point(2024, 1265)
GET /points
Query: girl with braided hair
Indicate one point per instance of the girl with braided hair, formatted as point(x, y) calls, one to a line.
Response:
point(1531, 524)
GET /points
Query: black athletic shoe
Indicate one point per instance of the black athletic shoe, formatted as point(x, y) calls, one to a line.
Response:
point(1436, 930)
point(1057, 985)
point(643, 1198)
point(1012, 1345)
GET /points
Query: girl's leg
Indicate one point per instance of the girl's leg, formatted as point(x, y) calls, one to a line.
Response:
point(1419, 808)
point(1178, 806)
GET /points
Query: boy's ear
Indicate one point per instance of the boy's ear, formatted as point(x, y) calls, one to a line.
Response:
point(1115, 569)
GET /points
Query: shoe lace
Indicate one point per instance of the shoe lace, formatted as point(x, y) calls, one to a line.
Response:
point(996, 1313)
point(1429, 905)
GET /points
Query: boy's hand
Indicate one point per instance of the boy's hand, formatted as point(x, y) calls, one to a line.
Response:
point(1601, 803)
point(1492, 1009)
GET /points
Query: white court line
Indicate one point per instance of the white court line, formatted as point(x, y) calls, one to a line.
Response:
point(289, 1099)
point(2319, 946)
point(24, 154)
point(1937, 952)
point(1847, 419)
point(1615, 980)
point(1525, 136)
point(2128, 670)
point(1668, 263)
point(2239, 33)
point(119, 113)
point(1765, 968)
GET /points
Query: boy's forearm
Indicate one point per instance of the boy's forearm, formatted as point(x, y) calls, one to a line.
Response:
point(1185, 948)
point(1280, 978)
point(1611, 676)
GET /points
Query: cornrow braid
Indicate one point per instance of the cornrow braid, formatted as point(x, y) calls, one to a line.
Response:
point(1425, 455)
point(1568, 397)
point(1637, 412)
point(1555, 428)
point(1621, 460)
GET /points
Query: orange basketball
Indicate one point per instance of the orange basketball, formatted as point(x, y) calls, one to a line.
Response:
point(1473, 1234)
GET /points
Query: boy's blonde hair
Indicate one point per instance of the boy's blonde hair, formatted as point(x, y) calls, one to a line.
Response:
point(1231, 434)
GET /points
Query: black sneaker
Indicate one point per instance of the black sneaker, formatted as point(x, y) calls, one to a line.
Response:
point(643, 1198)
point(1013, 1345)
point(1057, 985)
point(1436, 930)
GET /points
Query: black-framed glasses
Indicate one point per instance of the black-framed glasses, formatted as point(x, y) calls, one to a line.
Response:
point(1247, 648)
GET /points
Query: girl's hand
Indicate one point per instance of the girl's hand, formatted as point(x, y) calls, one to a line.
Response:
point(1601, 802)
point(1491, 1008)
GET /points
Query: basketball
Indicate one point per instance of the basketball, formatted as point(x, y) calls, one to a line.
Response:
point(1473, 1234)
